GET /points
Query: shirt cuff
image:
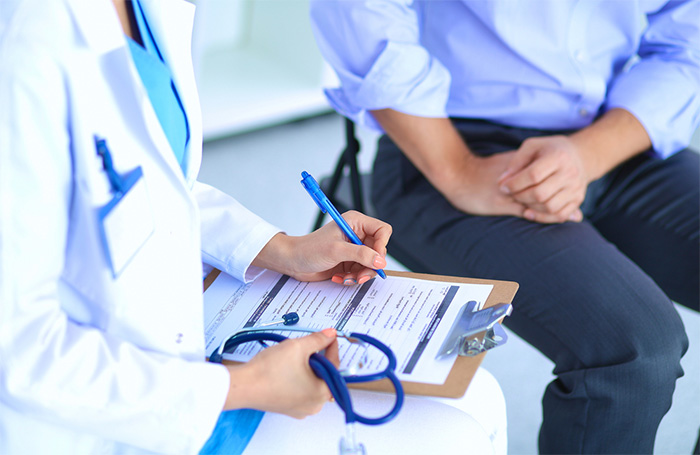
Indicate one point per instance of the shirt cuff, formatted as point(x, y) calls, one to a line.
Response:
point(210, 385)
point(663, 99)
point(404, 77)
point(240, 265)
point(232, 236)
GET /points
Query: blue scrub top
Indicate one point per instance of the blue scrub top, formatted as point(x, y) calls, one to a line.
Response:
point(234, 429)
point(232, 433)
point(158, 81)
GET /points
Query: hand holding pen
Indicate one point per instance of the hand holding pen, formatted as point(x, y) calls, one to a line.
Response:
point(367, 227)
point(327, 254)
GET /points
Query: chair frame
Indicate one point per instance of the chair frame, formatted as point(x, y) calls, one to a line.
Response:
point(348, 159)
point(331, 186)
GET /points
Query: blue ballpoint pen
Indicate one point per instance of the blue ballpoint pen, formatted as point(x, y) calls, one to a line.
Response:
point(326, 206)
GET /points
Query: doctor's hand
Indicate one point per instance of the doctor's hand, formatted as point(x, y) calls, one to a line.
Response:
point(327, 253)
point(548, 176)
point(279, 378)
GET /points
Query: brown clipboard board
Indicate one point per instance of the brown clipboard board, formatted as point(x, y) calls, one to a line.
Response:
point(464, 368)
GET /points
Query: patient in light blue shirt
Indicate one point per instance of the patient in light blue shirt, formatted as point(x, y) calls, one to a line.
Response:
point(554, 64)
point(543, 142)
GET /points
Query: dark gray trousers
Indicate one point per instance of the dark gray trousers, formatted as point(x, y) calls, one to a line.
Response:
point(595, 296)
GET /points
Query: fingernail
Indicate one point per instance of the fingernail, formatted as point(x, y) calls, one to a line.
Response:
point(330, 332)
point(379, 262)
point(574, 217)
point(529, 215)
point(349, 282)
point(363, 279)
point(504, 189)
point(337, 279)
point(503, 176)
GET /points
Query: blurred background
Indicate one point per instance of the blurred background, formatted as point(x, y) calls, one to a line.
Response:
point(260, 78)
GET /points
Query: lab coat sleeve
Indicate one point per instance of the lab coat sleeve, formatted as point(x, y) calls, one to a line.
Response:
point(373, 46)
point(52, 368)
point(232, 236)
point(662, 89)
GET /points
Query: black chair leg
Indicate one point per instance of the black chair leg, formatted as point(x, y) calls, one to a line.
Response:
point(347, 158)
point(351, 153)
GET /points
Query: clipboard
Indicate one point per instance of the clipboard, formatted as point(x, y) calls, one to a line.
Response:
point(464, 368)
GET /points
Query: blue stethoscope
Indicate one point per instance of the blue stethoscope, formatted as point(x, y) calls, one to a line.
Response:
point(323, 368)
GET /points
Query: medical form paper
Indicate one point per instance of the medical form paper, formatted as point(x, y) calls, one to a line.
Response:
point(412, 316)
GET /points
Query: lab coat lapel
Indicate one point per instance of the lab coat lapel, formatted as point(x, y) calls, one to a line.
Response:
point(171, 22)
point(102, 32)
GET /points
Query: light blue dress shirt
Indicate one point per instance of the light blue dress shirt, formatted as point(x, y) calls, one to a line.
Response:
point(545, 64)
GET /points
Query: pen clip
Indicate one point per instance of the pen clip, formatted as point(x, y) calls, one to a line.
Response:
point(114, 179)
point(311, 186)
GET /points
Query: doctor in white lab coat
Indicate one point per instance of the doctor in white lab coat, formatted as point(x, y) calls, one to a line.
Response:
point(90, 362)
point(99, 355)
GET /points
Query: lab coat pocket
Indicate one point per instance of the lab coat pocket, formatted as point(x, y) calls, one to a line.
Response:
point(126, 222)
point(111, 218)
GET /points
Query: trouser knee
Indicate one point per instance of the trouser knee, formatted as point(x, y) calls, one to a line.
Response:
point(655, 366)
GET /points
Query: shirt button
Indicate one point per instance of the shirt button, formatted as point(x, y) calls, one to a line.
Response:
point(178, 339)
point(583, 112)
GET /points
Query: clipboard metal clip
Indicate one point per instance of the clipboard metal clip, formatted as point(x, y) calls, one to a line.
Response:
point(474, 332)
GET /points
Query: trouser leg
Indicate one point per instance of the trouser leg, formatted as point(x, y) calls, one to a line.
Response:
point(650, 210)
point(613, 334)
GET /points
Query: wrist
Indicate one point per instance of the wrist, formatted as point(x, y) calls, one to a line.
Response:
point(276, 254)
point(609, 141)
point(452, 178)
point(242, 387)
point(589, 149)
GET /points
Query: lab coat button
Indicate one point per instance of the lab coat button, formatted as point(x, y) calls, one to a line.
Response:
point(178, 340)
point(579, 56)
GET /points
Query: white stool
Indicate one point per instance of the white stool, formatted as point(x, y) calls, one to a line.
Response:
point(475, 423)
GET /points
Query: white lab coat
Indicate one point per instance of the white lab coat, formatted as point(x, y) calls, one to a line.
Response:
point(90, 363)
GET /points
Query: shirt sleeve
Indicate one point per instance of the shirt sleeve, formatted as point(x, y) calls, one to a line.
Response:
point(374, 48)
point(662, 89)
point(53, 368)
point(232, 236)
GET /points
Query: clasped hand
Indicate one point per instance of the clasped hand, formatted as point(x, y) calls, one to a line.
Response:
point(548, 177)
point(544, 181)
